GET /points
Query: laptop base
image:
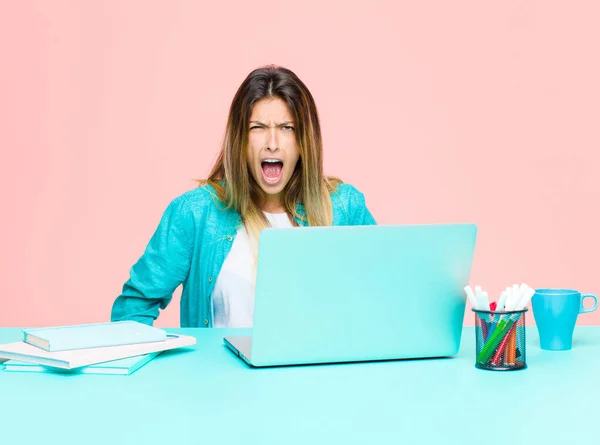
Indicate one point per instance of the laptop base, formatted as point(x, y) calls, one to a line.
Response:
point(241, 346)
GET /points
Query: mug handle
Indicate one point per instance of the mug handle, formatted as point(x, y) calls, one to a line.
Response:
point(583, 310)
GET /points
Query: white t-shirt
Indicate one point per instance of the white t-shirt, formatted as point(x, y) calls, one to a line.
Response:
point(233, 295)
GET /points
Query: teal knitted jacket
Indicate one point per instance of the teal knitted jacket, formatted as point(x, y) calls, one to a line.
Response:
point(189, 247)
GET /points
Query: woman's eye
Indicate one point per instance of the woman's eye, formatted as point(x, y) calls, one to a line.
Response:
point(255, 127)
point(288, 128)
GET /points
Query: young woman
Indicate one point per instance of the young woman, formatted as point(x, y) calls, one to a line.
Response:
point(269, 174)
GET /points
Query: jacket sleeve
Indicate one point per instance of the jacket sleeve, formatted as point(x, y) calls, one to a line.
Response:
point(164, 265)
point(360, 214)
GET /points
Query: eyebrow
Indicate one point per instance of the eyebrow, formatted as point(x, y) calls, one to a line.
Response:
point(278, 125)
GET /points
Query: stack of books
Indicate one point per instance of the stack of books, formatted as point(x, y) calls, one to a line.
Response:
point(101, 348)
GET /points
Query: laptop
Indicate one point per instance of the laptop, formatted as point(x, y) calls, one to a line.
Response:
point(358, 293)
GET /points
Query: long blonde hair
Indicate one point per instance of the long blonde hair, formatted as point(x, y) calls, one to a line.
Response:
point(230, 177)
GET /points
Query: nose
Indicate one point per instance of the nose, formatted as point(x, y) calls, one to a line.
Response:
point(272, 139)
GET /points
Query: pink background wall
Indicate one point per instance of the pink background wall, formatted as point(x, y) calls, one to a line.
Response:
point(462, 111)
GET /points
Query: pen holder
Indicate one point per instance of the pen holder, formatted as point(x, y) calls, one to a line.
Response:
point(500, 340)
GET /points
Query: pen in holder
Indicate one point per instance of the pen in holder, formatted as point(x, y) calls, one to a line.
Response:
point(500, 340)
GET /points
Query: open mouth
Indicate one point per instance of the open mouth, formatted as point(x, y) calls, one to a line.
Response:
point(272, 170)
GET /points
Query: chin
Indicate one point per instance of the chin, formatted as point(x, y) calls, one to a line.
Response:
point(271, 189)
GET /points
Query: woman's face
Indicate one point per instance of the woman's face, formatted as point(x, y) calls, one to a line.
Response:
point(272, 149)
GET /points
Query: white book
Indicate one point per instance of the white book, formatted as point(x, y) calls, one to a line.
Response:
point(83, 357)
point(122, 366)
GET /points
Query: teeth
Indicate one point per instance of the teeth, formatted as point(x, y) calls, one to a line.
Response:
point(272, 161)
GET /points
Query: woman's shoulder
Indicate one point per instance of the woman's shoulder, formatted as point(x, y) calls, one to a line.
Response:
point(201, 195)
point(349, 202)
point(195, 201)
point(348, 194)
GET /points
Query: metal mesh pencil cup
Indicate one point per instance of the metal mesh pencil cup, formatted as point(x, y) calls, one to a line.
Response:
point(500, 340)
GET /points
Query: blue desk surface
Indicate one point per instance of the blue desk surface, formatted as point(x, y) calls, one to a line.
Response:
point(207, 395)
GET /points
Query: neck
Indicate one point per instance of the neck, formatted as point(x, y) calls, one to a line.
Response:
point(273, 204)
